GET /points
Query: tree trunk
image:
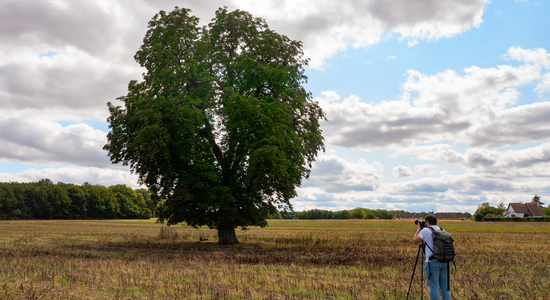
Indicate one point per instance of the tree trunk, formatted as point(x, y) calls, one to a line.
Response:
point(226, 235)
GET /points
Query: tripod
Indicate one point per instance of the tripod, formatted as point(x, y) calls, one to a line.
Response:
point(420, 249)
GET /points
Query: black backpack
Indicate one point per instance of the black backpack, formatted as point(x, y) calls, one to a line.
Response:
point(444, 250)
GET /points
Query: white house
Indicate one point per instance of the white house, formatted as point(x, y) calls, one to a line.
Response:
point(521, 210)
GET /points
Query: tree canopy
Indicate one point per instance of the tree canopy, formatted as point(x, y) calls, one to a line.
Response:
point(536, 199)
point(485, 209)
point(221, 126)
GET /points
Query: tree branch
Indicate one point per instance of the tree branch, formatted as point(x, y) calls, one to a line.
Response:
point(209, 135)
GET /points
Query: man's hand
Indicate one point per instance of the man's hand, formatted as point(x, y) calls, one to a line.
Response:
point(417, 239)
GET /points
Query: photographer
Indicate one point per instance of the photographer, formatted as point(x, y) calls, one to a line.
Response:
point(436, 272)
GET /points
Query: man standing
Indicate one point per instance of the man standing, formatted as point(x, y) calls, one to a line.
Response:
point(436, 272)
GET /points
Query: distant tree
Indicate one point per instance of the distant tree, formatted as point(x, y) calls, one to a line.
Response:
point(44, 182)
point(382, 213)
point(483, 204)
point(357, 213)
point(484, 210)
point(300, 215)
point(547, 210)
point(276, 215)
point(36, 199)
point(502, 206)
point(370, 215)
point(79, 202)
point(145, 197)
point(59, 202)
point(342, 214)
point(221, 127)
point(24, 207)
point(288, 215)
point(478, 217)
point(101, 202)
point(536, 199)
point(8, 202)
point(468, 215)
point(314, 214)
point(130, 205)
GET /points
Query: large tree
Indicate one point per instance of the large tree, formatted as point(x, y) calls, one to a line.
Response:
point(221, 126)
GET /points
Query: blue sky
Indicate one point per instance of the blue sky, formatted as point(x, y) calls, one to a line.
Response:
point(432, 105)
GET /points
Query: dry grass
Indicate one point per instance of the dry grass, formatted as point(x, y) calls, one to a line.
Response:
point(168, 233)
point(290, 259)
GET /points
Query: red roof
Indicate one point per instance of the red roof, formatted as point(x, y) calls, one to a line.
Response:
point(518, 208)
point(450, 215)
point(529, 209)
point(535, 210)
point(409, 215)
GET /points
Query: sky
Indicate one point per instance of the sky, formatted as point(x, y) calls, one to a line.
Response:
point(432, 105)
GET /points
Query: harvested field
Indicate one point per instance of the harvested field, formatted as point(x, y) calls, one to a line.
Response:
point(290, 259)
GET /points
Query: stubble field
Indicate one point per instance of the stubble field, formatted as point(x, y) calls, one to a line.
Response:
point(289, 259)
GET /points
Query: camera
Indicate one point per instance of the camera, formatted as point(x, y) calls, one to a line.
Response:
point(422, 223)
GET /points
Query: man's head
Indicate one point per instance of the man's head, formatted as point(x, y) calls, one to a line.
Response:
point(431, 219)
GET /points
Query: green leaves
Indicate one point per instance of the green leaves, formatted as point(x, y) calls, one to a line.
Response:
point(220, 126)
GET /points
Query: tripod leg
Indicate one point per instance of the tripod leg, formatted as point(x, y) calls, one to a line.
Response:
point(414, 269)
point(422, 276)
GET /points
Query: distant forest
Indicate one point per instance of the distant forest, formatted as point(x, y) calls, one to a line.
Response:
point(46, 200)
point(356, 213)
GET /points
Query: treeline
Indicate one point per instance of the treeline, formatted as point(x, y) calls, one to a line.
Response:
point(46, 200)
point(356, 213)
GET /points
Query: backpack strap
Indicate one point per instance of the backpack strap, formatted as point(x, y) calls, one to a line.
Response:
point(430, 228)
point(426, 244)
point(433, 230)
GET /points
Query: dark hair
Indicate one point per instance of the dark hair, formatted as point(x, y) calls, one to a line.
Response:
point(431, 219)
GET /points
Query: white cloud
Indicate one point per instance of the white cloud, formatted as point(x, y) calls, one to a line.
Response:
point(538, 56)
point(50, 144)
point(390, 57)
point(437, 152)
point(402, 171)
point(106, 177)
point(477, 108)
point(426, 169)
point(544, 85)
point(412, 43)
point(532, 162)
point(71, 84)
point(327, 27)
point(334, 175)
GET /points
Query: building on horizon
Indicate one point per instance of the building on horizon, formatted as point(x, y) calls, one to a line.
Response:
point(522, 210)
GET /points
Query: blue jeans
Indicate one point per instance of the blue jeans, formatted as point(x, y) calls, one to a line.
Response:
point(436, 273)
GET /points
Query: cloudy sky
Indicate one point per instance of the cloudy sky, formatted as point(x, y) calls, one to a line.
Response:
point(432, 104)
